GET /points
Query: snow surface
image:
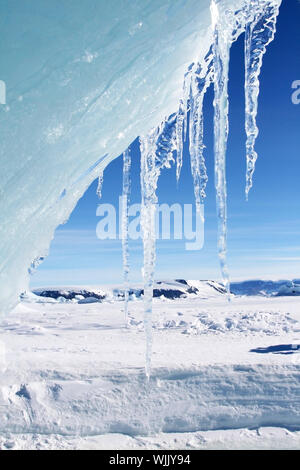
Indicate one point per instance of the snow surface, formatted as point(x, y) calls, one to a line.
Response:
point(224, 375)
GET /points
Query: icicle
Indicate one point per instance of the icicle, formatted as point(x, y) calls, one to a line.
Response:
point(221, 47)
point(99, 187)
point(125, 249)
point(259, 33)
point(157, 148)
point(156, 153)
point(179, 137)
point(201, 80)
point(149, 177)
point(181, 121)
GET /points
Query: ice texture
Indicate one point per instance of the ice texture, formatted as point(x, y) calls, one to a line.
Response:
point(84, 79)
point(221, 48)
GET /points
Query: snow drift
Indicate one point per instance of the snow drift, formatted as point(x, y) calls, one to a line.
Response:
point(73, 369)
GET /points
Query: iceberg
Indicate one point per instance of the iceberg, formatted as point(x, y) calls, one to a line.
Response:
point(83, 80)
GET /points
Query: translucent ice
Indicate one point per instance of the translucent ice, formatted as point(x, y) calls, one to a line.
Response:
point(157, 146)
point(83, 80)
point(200, 81)
point(149, 177)
point(113, 72)
point(156, 153)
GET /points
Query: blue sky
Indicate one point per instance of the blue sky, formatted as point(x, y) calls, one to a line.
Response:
point(263, 233)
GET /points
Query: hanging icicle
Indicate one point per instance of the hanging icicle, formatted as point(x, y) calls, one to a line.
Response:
point(259, 33)
point(149, 177)
point(156, 153)
point(125, 248)
point(200, 81)
point(181, 121)
point(181, 117)
point(258, 17)
point(221, 47)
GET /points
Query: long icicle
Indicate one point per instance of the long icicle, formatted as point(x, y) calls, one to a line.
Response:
point(156, 153)
point(158, 146)
point(125, 248)
point(181, 121)
point(149, 177)
point(221, 48)
point(181, 116)
point(201, 80)
point(259, 33)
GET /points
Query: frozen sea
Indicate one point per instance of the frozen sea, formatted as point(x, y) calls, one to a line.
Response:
point(225, 375)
